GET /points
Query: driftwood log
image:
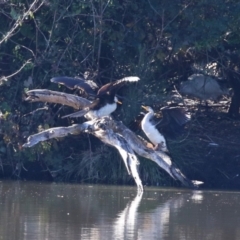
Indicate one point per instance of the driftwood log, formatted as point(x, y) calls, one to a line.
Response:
point(109, 131)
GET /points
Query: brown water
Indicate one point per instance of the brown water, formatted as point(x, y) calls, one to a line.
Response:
point(30, 210)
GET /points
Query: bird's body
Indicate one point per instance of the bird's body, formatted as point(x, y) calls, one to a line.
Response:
point(173, 117)
point(101, 107)
point(151, 131)
point(149, 128)
point(105, 101)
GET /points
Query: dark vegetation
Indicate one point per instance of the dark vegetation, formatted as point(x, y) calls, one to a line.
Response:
point(162, 42)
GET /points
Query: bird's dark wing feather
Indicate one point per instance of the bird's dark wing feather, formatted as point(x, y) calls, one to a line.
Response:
point(173, 121)
point(177, 114)
point(104, 89)
point(116, 85)
point(87, 86)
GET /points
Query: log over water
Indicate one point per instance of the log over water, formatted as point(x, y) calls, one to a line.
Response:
point(109, 131)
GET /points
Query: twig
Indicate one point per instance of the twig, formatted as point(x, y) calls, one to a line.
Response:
point(9, 76)
point(37, 110)
point(20, 20)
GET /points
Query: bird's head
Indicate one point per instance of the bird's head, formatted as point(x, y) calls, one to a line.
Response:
point(147, 108)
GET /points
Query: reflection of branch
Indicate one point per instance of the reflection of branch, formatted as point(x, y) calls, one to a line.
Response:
point(18, 23)
point(159, 210)
point(9, 76)
point(126, 221)
point(160, 217)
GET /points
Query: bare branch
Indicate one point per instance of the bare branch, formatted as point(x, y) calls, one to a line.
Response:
point(57, 132)
point(43, 95)
point(32, 8)
point(9, 76)
point(107, 136)
point(111, 132)
point(163, 160)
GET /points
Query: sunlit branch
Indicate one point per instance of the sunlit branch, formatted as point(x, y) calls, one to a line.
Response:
point(32, 8)
point(5, 78)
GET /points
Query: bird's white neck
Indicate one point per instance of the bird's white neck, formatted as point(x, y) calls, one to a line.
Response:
point(148, 116)
point(146, 121)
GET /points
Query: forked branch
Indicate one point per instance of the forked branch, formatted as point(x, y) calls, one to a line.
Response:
point(109, 131)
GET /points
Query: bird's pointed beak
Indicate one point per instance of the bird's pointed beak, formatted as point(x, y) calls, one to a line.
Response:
point(144, 107)
point(119, 102)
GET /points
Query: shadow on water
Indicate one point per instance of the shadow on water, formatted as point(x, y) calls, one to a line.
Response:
point(31, 210)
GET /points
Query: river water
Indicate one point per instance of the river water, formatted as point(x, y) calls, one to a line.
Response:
point(46, 211)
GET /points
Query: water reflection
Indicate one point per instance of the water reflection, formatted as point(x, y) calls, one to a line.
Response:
point(64, 211)
point(125, 224)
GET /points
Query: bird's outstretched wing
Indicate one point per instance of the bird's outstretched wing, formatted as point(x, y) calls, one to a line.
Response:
point(116, 85)
point(174, 115)
point(87, 86)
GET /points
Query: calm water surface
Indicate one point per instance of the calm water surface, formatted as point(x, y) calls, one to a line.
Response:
point(47, 211)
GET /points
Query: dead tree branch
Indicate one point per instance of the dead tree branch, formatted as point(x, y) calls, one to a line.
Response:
point(43, 95)
point(109, 131)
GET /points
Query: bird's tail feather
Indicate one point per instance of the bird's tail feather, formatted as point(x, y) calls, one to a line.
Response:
point(77, 114)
